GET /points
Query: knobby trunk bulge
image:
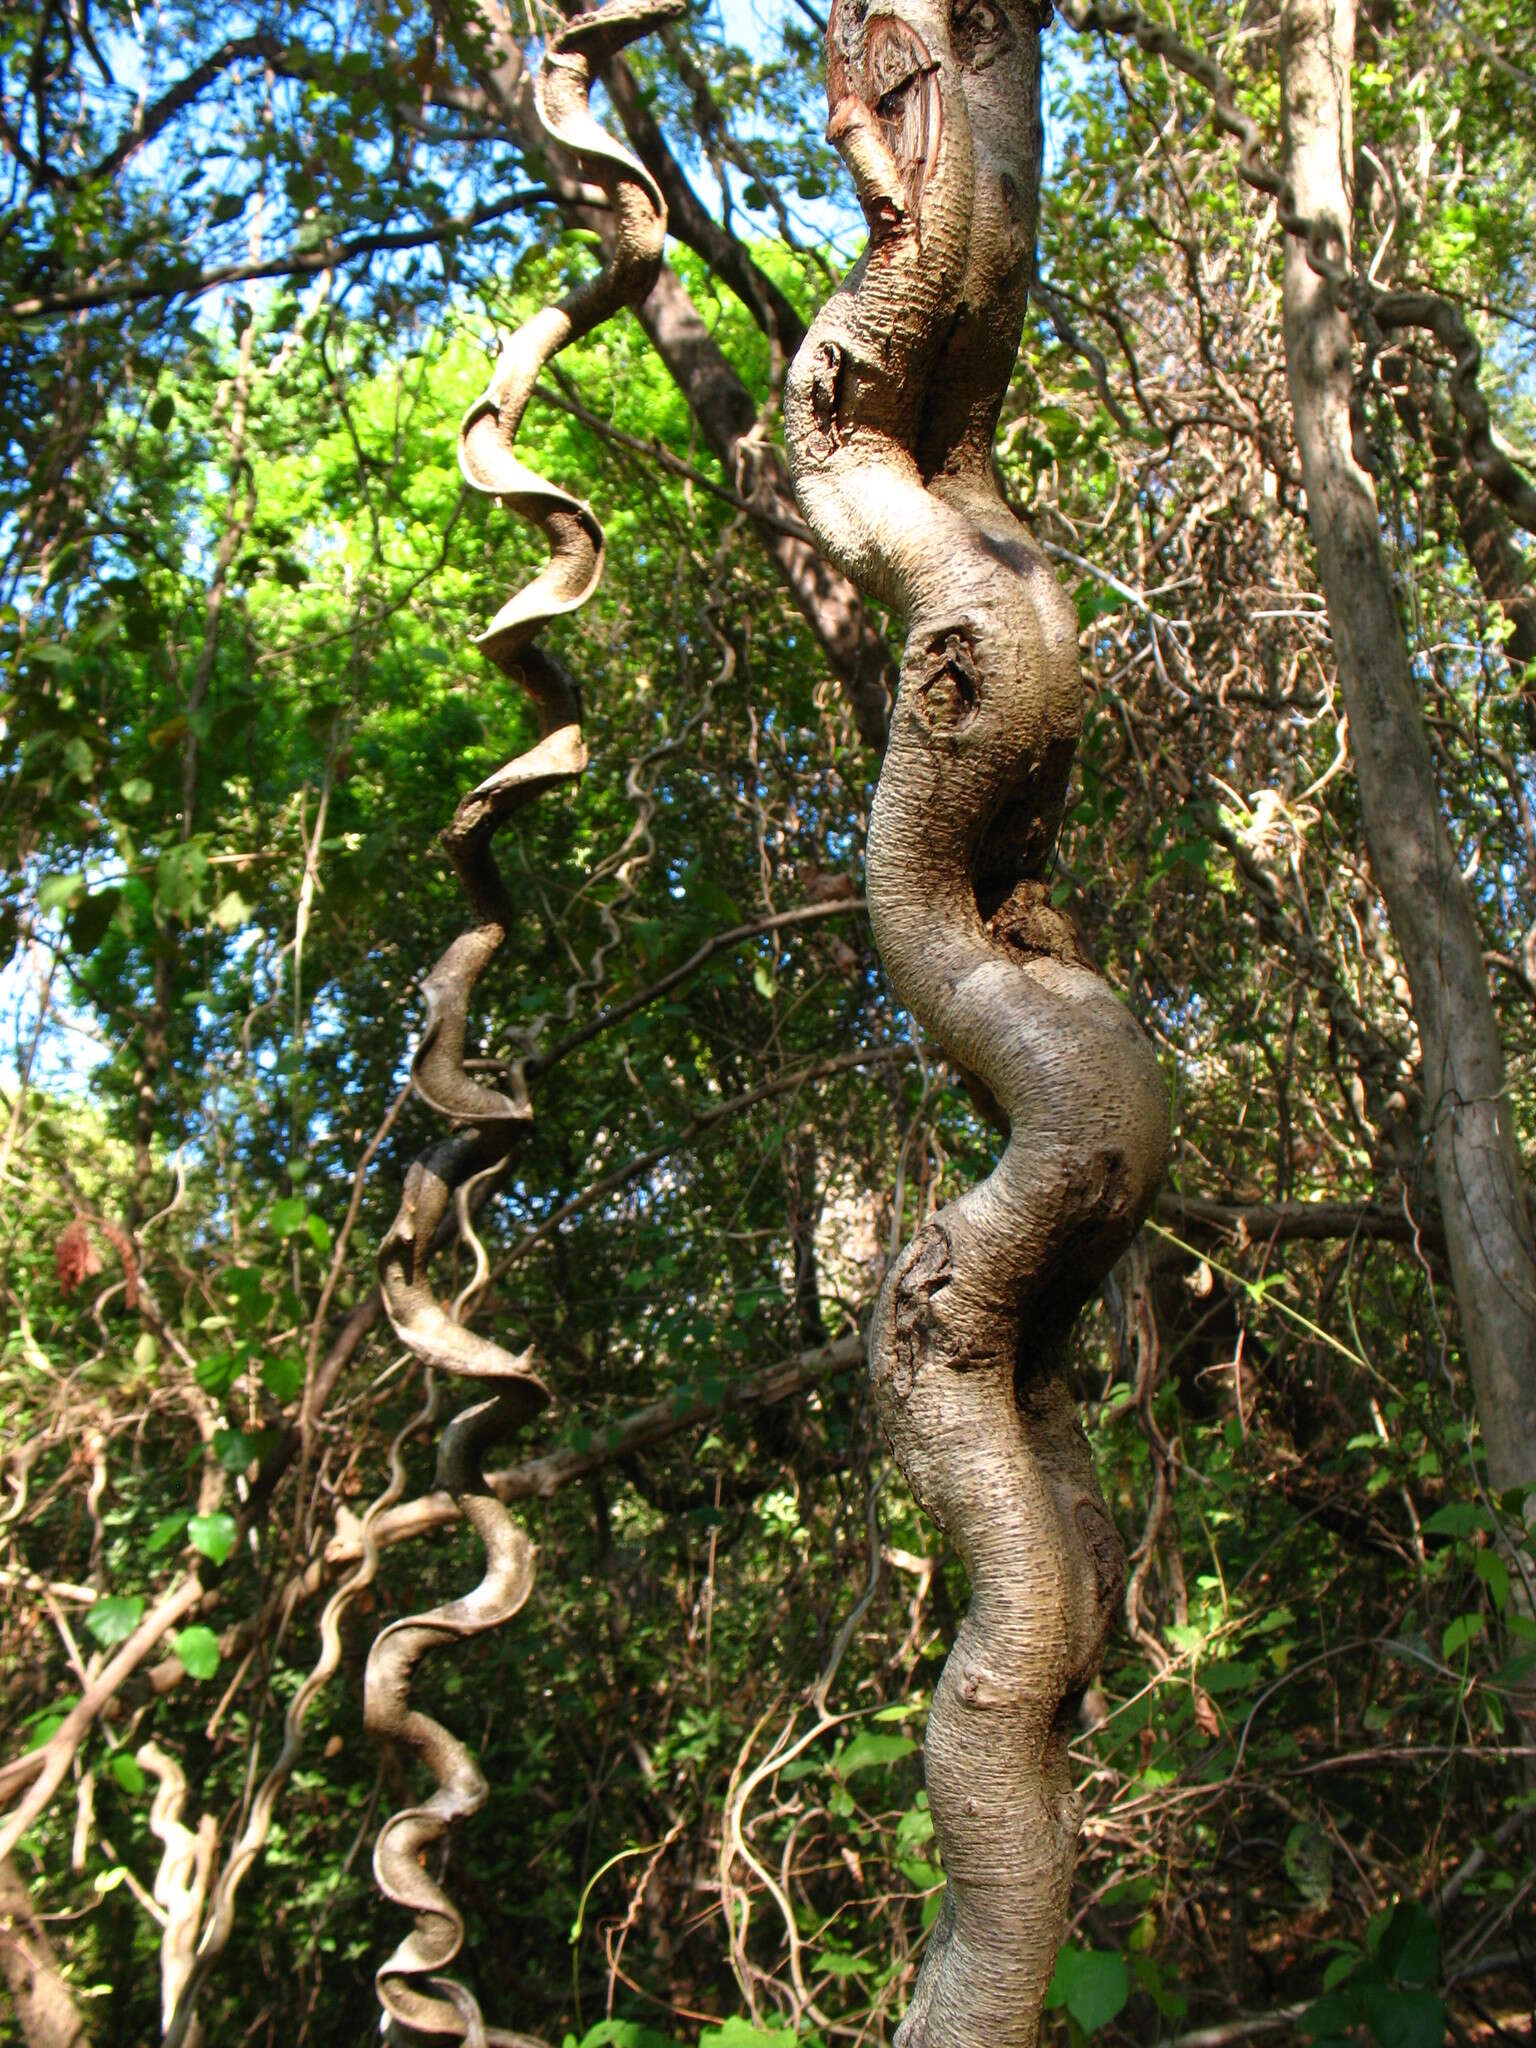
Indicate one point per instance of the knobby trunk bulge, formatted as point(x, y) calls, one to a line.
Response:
point(419, 2003)
point(890, 410)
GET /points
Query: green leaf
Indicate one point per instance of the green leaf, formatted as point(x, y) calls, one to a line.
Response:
point(136, 791)
point(834, 1963)
point(319, 1233)
point(1092, 1983)
point(868, 1751)
point(1404, 2019)
point(58, 892)
point(234, 1449)
point(127, 1773)
point(1338, 2013)
point(245, 1287)
point(762, 979)
point(231, 911)
point(286, 1215)
point(45, 1729)
point(1226, 1674)
point(165, 1532)
point(114, 1619)
point(283, 1376)
point(1460, 1633)
point(623, 2034)
point(1494, 1573)
point(213, 1536)
point(741, 2034)
point(198, 1650)
point(217, 1373)
point(1409, 1948)
point(1458, 1518)
point(146, 1352)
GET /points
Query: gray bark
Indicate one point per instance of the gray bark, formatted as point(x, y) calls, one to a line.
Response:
point(1467, 1115)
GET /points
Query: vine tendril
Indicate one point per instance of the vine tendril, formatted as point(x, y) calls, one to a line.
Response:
point(417, 1997)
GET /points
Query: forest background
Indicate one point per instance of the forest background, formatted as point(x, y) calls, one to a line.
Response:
point(250, 263)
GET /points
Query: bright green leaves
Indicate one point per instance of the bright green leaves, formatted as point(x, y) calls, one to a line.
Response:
point(59, 892)
point(213, 1536)
point(283, 1376)
point(621, 2034)
point(128, 1774)
point(868, 1751)
point(287, 1215)
point(217, 1370)
point(113, 1620)
point(181, 880)
point(197, 1648)
point(167, 1530)
point(1092, 1984)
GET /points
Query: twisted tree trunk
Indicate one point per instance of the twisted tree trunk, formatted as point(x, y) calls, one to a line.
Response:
point(890, 408)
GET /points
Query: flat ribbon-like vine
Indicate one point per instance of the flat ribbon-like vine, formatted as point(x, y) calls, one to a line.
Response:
point(418, 2000)
point(891, 408)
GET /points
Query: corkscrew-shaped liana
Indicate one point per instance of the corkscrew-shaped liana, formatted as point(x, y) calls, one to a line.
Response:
point(417, 1999)
point(891, 409)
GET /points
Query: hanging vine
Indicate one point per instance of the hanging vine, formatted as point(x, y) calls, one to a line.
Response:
point(416, 1997)
point(891, 408)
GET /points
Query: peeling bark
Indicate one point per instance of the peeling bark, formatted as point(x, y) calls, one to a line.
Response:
point(890, 408)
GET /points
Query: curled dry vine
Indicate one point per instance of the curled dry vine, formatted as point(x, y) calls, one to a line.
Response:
point(891, 409)
point(417, 1999)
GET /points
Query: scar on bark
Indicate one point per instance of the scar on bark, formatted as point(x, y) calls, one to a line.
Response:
point(1031, 926)
point(883, 87)
point(949, 684)
point(926, 1270)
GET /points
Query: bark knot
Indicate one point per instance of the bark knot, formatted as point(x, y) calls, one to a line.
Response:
point(925, 1270)
point(1102, 1541)
point(1027, 922)
point(980, 32)
point(826, 379)
point(948, 684)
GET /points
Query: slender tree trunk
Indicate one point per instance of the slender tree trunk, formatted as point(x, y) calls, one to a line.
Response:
point(1477, 1168)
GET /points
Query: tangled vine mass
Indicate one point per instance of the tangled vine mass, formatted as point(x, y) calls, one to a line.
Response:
point(890, 409)
point(417, 1999)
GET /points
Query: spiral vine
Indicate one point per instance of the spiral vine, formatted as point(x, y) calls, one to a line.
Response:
point(891, 408)
point(417, 1998)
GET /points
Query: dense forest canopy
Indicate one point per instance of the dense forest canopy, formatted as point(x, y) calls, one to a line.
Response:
point(252, 262)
